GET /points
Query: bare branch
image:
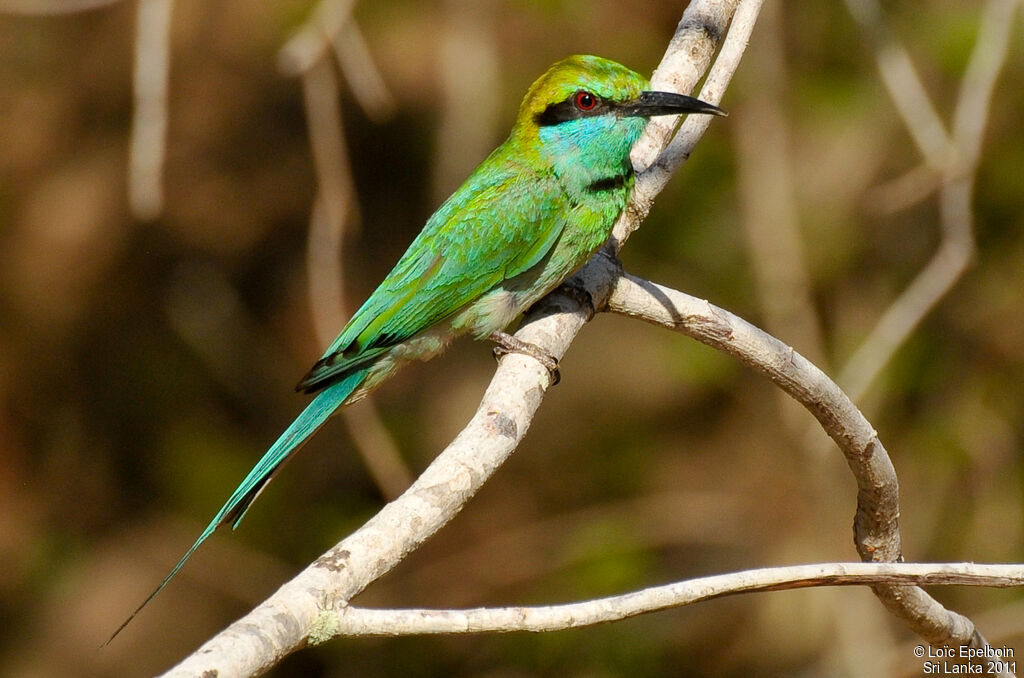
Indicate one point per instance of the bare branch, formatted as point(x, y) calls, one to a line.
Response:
point(975, 100)
point(46, 7)
point(902, 82)
point(337, 193)
point(876, 526)
point(910, 188)
point(357, 621)
point(307, 609)
point(282, 623)
point(314, 38)
point(876, 530)
point(954, 158)
point(361, 73)
point(149, 124)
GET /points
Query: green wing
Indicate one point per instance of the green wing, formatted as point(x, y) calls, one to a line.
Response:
point(496, 226)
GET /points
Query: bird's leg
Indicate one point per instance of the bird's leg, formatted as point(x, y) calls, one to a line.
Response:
point(506, 343)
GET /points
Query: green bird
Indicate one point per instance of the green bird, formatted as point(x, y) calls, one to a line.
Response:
point(528, 217)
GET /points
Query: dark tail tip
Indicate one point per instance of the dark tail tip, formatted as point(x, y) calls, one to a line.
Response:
point(132, 616)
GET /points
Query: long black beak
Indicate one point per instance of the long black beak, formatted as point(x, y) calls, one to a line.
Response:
point(649, 104)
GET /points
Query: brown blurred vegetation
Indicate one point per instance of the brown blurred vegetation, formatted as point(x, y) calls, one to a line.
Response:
point(144, 366)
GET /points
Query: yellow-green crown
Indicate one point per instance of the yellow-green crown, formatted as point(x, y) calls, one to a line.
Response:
point(607, 79)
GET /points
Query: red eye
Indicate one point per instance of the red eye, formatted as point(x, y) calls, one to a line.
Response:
point(585, 101)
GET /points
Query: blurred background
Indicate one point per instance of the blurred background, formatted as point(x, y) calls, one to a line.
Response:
point(171, 262)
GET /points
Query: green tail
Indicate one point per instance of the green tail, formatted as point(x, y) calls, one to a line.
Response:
point(315, 414)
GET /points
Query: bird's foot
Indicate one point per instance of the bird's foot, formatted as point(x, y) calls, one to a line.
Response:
point(506, 344)
point(575, 290)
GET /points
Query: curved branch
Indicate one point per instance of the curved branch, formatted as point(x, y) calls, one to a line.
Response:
point(876, 525)
point(876, 528)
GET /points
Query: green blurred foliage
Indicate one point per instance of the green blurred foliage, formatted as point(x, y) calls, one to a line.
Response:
point(144, 366)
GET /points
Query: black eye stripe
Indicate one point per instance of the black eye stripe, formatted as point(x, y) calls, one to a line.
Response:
point(563, 111)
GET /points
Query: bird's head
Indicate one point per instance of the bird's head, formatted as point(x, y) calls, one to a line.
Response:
point(586, 113)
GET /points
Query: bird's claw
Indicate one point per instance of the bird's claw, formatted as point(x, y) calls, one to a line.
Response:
point(506, 343)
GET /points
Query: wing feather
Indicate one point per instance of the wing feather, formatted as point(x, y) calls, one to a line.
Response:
point(496, 226)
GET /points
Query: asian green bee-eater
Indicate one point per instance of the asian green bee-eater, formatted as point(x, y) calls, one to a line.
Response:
point(528, 217)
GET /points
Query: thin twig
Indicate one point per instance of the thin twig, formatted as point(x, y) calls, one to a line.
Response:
point(361, 73)
point(334, 178)
point(47, 7)
point(331, 27)
point(313, 40)
point(903, 83)
point(358, 621)
point(149, 122)
point(955, 159)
